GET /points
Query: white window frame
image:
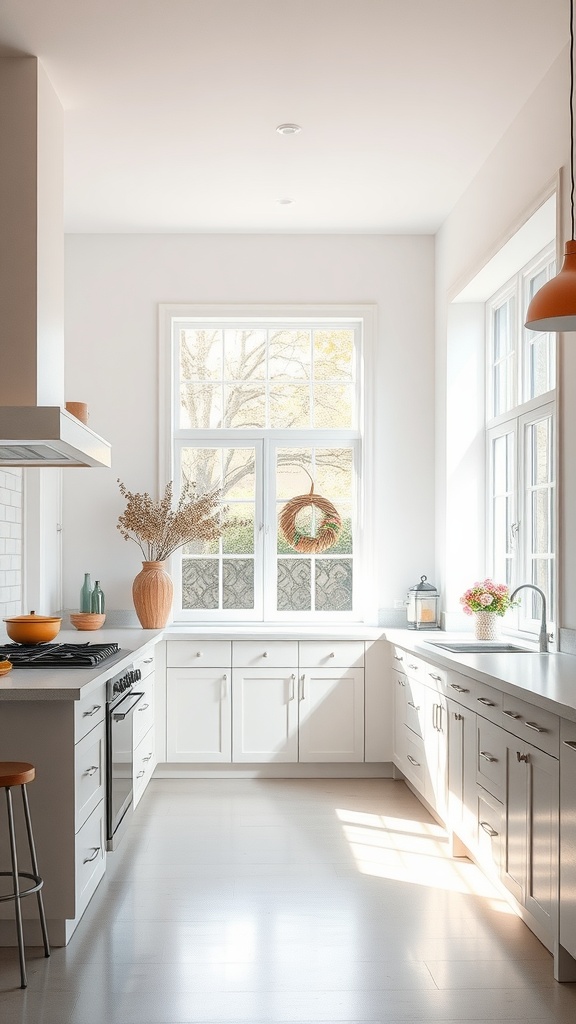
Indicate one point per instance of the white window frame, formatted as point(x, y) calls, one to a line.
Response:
point(515, 420)
point(364, 315)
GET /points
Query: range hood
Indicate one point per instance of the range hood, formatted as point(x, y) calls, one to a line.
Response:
point(35, 428)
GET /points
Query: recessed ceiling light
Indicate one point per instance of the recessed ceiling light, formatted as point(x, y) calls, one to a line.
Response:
point(285, 202)
point(288, 129)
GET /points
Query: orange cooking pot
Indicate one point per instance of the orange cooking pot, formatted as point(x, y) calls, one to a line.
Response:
point(32, 629)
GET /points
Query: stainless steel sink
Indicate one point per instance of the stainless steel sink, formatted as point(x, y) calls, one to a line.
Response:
point(480, 647)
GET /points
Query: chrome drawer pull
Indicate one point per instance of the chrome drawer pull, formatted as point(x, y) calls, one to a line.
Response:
point(91, 770)
point(486, 702)
point(534, 727)
point(401, 682)
point(523, 757)
point(413, 761)
point(570, 743)
point(458, 717)
point(148, 661)
point(147, 758)
point(332, 655)
point(510, 714)
point(487, 757)
point(415, 667)
point(265, 655)
point(412, 705)
point(88, 714)
point(144, 707)
point(198, 654)
point(433, 676)
point(488, 828)
point(292, 692)
point(397, 657)
point(459, 689)
point(140, 774)
point(88, 860)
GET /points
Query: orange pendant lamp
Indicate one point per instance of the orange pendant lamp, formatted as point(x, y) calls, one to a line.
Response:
point(553, 307)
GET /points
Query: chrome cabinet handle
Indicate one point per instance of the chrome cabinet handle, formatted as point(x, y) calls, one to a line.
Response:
point(198, 654)
point(224, 687)
point(486, 702)
point(88, 714)
point(292, 687)
point(415, 667)
point(148, 661)
point(458, 717)
point(459, 689)
point(302, 681)
point(398, 657)
point(534, 727)
point(570, 743)
point(144, 707)
point(411, 704)
point(413, 760)
point(331, 655)
point(265, 654)
point(523, 757)
point(401, 682)
point(487, 756)
point(140, 774)
point(148, 758)
point(510, 714)
point(91, 770)
point(88, 860)
point(433, 676)
point(488, 828)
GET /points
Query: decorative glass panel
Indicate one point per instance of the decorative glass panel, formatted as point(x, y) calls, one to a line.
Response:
point(333, 584)
point(294, 584)
point(200, 587)
point(238, 583)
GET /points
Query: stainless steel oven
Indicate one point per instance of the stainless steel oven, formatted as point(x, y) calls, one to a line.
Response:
point(121, 700)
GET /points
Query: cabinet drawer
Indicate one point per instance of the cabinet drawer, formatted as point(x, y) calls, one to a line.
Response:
point(145, 663)
point(399, 659)
point(477, 696)
point(331, 654)
point(199, 653)
point(490, 757)
point(415, 706)
point(144, 711)
point(89, 711)
point(415, 763)
point(533, 725)
point(264, 653)
point(144, 764)
point(490, 843)
point(90, 857)
point(89, 772)
point(435, 677)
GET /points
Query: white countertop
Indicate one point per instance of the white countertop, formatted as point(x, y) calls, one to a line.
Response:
point(546, 680)
point(74, 683)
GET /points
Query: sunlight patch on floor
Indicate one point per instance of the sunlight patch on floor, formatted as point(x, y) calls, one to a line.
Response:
point(405, 850)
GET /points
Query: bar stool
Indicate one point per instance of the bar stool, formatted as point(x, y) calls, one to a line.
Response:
point(19, 773)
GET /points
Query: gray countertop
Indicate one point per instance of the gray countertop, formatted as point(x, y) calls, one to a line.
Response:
point(546, 680)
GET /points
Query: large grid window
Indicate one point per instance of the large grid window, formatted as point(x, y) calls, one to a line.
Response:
point(521, 438)
point(264, 411)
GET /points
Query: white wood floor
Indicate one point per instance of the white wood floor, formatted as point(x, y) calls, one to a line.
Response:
point(288, 901)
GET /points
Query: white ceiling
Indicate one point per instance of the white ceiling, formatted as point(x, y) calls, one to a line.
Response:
point(171, 106)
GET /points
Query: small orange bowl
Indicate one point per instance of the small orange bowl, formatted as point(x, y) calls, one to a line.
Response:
point(87, 620)
point(33, 629)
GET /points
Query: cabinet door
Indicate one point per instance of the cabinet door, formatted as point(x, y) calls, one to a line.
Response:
point(198, 715)
point(530, 869)
point(568, 836)
point(436, 746)
point(399, 738)
point(461, 772)
point(331, 715)
point(265, 723)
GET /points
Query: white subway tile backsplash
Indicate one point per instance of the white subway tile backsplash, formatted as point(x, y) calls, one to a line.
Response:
point(10, 542)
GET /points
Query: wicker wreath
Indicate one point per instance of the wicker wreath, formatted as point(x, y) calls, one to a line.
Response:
point(327, 533)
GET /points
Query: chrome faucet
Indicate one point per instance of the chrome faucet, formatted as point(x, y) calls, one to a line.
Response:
point(543, 638)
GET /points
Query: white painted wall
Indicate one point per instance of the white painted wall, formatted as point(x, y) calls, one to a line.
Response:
point(514, 179)
point(113, 287)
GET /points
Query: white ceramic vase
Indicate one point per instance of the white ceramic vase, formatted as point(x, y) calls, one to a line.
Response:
point(486, 625)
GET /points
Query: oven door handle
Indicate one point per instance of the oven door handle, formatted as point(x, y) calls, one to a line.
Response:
point(128, 705)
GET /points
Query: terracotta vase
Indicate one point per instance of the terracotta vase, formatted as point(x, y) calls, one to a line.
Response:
point(486, 625)
point(152, 592)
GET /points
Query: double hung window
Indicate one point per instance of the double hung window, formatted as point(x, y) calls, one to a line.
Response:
point(263, 409)
point(521, 441)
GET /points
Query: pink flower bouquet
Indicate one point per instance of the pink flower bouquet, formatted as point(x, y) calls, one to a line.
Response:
point(487, 596)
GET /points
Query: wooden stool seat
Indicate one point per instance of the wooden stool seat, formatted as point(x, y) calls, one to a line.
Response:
point(19, 773)
point(16, 773)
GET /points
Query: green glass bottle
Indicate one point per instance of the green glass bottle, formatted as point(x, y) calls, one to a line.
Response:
point(86, 594)
point(97, 599)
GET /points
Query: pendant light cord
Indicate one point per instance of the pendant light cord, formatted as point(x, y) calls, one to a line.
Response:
point(572, 114)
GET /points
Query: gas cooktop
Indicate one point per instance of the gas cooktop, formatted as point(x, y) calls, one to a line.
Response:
point(57, 655)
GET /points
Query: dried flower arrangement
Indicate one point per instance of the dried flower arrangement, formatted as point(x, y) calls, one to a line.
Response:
point(158, 529)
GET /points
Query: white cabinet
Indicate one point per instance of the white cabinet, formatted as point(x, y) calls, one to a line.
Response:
point(331, 714)
point(265, 721)
point(421, 727)
point(143, 735)
point(461, 806)
point(199, 715)
point(568, 836)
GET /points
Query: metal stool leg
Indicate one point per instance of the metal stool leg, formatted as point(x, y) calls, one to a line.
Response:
point(18, 909)
point(35, 869)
